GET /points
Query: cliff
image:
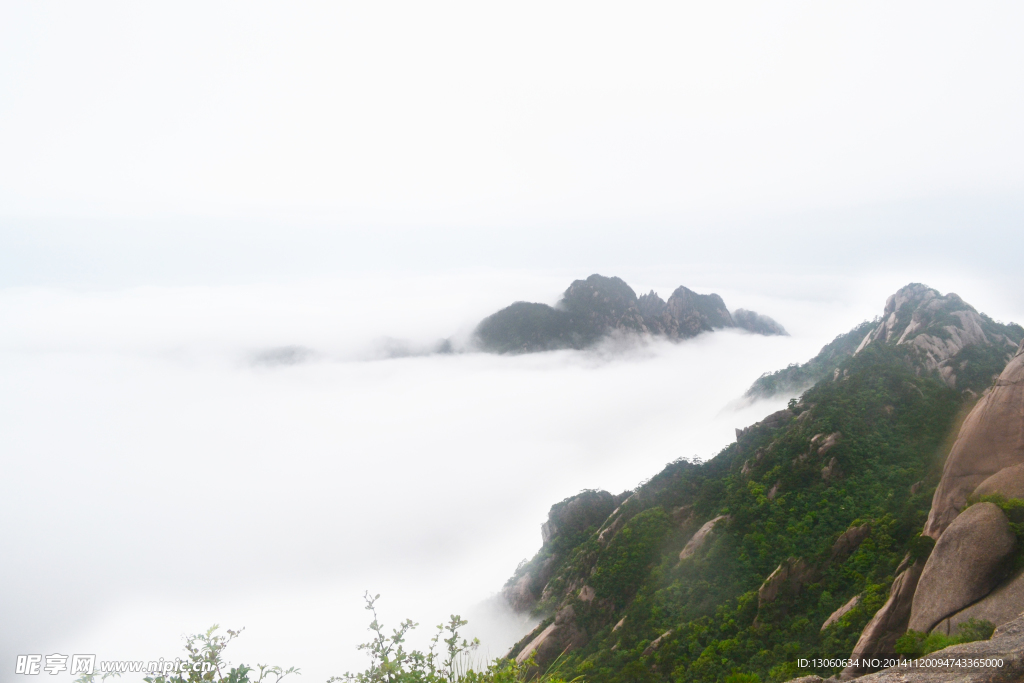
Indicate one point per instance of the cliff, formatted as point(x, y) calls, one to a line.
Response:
point(976, 570)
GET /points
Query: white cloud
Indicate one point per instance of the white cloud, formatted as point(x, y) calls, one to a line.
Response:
point(157, 480)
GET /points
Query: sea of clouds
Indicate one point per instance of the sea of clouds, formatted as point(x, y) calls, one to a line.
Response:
point(258, 456)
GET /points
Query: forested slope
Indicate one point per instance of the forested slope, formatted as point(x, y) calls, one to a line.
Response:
point(782, 546)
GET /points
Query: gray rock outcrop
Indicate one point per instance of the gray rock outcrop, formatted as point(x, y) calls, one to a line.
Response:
point(939, 327)
point(847, 542)
point(889, 623)
point(839, 613)
point(519, 595)
point(656, 643)
point(826, 443)
point(968, 561)
point(1007, 482)
point(562, 635)
point(990, 440)
point(574, 514)
point(788, 580)
point(1001, 606)
point(698, 540)
point(831, 470)
point(577, 513)
point(942, 334)
point(1007, 643)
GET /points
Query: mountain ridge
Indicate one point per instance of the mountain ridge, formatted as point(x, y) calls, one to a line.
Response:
point(951, 336)
point(600, 306)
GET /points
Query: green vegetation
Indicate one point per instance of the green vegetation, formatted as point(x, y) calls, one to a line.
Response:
point(978, 366)
point(915, 644)
point(798, 377)
point(892, 426)
point(447, 660)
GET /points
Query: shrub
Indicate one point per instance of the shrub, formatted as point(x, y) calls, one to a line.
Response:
point(916, 644)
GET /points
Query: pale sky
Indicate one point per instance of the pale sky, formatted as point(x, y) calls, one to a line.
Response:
point(368, 126)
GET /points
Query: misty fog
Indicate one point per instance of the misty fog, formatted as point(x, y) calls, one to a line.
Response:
point(164, 475)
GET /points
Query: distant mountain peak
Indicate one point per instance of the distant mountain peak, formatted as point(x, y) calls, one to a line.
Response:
point(598, 306)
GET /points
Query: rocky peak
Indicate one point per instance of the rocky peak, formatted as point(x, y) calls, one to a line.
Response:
point(651, 305)
point(603, 304)
point(577, 513)
point(692, 313)
point(598, 306)
point(944, 330)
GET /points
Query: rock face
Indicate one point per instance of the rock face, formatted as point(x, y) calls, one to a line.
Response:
point(1007, 643)
point(825, 443)
point(942, 334)
point(1007, 482)
point(599, 306)
point(519, 594)
point(831, 470)
point(656, 643)
point(572, 515)
point(968, 561)
point(973, 548)
point(941, 328)
point(690, 313)
point(889, 623)
point(700, 538)
point(788, 579)
point(990, 440)
point(1001, 606)
point(838, 614)
point(560, 636)
point(847, 542)
point(577, 513)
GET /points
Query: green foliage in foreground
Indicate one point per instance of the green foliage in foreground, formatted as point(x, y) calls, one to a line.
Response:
point(390, 662)
point(916, 644)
